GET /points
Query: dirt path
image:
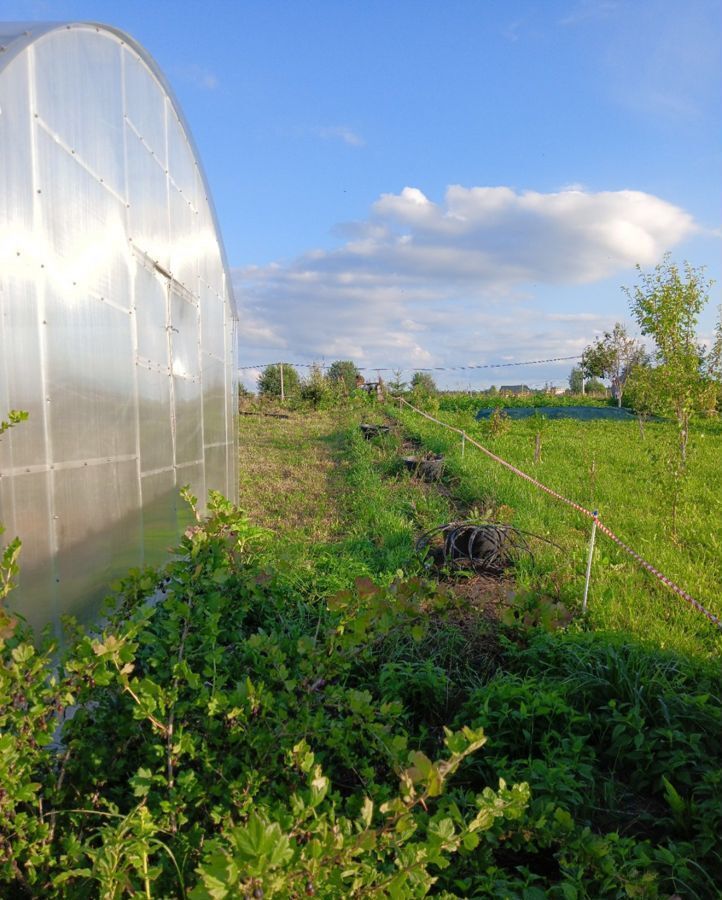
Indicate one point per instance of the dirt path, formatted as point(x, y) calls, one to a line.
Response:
point(290, 479)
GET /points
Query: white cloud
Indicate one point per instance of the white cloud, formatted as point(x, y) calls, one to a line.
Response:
point(425, 283)
point(197, 76)
point(574, 317)
point(588, 11)
point(340, 133)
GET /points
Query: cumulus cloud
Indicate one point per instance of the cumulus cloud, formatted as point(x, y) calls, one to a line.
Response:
point(421, 283)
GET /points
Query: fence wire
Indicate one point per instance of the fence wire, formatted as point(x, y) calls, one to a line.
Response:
point(504, 365)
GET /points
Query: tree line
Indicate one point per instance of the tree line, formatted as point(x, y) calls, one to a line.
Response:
point(342, 377)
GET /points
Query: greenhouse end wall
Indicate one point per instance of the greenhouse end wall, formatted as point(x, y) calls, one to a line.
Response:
point(117, 319)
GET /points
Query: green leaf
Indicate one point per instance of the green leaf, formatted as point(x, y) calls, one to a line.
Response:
point(261, 845)
point(141, 782)
point(367, 811)
point(319, 786)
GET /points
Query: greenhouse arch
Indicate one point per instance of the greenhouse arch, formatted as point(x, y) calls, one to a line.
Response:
point(117, 317)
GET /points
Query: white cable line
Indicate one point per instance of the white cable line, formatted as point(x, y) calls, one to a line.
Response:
point(505, 365)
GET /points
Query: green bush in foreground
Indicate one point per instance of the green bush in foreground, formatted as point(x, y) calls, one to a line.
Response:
point(188, 762)
point(237, 739)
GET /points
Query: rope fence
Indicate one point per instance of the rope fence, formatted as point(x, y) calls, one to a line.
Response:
point(675, 588)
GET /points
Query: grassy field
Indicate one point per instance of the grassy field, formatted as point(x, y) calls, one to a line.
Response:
point(315, 486)
point(621, 471)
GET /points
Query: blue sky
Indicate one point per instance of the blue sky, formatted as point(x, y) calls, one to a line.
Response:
point(442, 183)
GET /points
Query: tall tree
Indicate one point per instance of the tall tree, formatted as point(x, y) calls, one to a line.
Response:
point(576, 380)
point(343, 372)
point(423, 383)
point(269, 381)
point(614, 356)
point(666, 304)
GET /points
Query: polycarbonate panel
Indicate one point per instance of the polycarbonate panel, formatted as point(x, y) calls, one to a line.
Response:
point(188, 423)
point(112, 278)
point(145, 106)
point(160, 517)
point(21, 381)
point(151, 316)
point(214, 400)
point(216, 469)
point(154, 419)
point(81, 240)
point(184, 246)
point(90, 417)
point(149, 228)
point(24, 501)
point(231, 402)
point(79, 96)
point(185, 336)
point(98, 530)
point(233, 422)
point(181, 164)
point(16, 212)
point(193, 477)
point(212, 321)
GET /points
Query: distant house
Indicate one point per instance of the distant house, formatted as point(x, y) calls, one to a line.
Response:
point(514, 389)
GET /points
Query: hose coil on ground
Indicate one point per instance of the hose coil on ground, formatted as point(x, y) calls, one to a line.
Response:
point(488, 548)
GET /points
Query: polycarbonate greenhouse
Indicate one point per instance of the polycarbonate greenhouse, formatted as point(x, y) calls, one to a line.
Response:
point(117, 318)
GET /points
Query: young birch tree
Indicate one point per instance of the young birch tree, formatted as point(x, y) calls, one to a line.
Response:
point(666, 304)
point(614, 356)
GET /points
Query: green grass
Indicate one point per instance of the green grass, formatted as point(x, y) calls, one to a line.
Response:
point(612, 467)
point(338, 507)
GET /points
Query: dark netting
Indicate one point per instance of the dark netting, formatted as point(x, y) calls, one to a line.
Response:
point(561, 412)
